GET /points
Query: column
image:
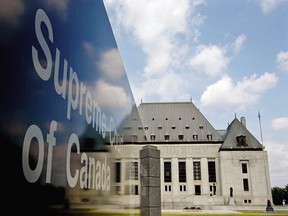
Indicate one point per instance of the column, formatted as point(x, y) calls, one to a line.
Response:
point(205, 177)
point(150, 181)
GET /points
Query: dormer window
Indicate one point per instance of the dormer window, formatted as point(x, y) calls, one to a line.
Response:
point(159, 127)
point(209, 136)
point(153, 137)
point(187, 127)
point(180, 136)
point(195, 137)
point(167, 137)
point(201, 127)
point(241, 141)
point(146, 128)
point(173, 127)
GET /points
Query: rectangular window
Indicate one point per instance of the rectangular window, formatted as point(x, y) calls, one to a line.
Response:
point(245, 184)
point(209, 136)
point(197, 189)
point(182, 171)
point(118, 172)
point(197, 170)
point(167, 171)
point(132, 170)
point(131, 190)
point(166, 137)
point(212, 171)
point(195, 137)
point(244, 168)
point(213, 190)
point(182, 188)
point(167, 187)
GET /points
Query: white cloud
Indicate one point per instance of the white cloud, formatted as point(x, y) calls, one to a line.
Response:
point(113, 98)
point(280, 123)
point(163, 31)
point(278, 162)
point(238, 44)
point(282, 60)
point(225, 93)
point(210, 60)
point(11, 11)
point(156, 27)
point(110, 64)
point(269, 5)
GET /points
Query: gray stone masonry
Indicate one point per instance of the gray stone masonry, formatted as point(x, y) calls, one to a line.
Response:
point(150, 181)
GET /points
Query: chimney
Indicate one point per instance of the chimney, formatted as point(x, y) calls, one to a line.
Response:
point(243, 121)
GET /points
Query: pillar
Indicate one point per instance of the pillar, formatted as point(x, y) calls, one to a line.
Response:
point(150, 181)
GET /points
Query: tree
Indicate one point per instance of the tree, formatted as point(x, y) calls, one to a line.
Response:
point(278, 194)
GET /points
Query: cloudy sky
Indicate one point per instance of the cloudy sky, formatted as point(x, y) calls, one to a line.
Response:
point(229, 57)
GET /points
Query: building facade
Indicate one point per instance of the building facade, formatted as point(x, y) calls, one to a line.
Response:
point(200, 165)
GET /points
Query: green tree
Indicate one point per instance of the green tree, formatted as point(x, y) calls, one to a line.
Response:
point(278, 194)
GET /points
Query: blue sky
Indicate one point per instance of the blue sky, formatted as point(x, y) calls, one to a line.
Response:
point(229, 57)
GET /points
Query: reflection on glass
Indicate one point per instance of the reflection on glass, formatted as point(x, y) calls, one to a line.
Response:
point(66, 104)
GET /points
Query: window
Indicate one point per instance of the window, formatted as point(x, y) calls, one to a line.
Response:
point(209, 136)
point(244, 168)
point(173, 127)
point(146, 128)
point(187, 127)
point(245, 184)
point(167, 187)
point(197, 170)
point(118, 172)
point(132, 170)
point(153, 137)
point(213, 190)
point(167, 137)
point(131, 190)
point(182, 188)
point(195, 137)
point(197, 189)
point(181, 136)
point(212, 171)
point(201, 127)
point(167, 171)
point(159, 127)
point(182, 171)
point(241, 141)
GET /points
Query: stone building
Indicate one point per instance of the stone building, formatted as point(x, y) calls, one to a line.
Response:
point(200, 165)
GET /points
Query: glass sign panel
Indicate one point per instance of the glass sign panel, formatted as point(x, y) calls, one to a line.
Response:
point(65, 99)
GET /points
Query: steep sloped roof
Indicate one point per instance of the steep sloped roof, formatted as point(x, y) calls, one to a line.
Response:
point(239, 138)
point(174, 119)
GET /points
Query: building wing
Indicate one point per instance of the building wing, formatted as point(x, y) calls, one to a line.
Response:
point(239, 138)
